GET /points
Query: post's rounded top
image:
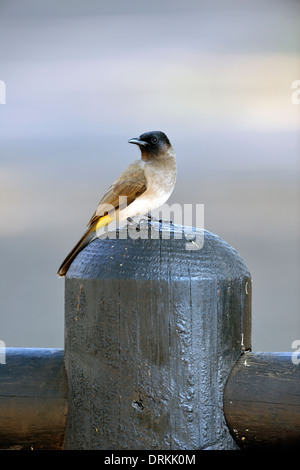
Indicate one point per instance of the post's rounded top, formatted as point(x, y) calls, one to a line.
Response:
point(174, 252)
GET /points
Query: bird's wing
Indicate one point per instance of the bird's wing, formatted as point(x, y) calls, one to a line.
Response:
point(131, 183)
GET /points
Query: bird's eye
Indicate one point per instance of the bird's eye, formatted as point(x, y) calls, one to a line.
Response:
point(154, 140)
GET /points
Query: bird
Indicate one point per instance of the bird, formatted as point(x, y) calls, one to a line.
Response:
point(145, 185)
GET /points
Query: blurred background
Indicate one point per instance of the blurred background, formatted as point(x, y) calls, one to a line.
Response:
point(84, 77)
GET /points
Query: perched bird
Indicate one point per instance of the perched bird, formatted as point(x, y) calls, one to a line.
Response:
point(145, 185)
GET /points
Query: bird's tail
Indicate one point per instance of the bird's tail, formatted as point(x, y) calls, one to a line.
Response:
point(86, 238)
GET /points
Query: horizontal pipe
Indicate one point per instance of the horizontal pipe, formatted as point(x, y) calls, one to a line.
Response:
point(262, 401)
point(33, 398)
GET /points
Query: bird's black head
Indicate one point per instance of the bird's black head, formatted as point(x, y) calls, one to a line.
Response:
point(153, 143)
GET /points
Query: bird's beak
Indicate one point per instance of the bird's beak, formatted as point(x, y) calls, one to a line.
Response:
point(138, 142)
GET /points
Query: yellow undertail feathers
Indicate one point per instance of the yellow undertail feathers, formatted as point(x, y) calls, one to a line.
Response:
point(103, 221)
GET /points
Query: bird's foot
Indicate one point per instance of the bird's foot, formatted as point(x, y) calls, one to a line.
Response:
point(132, 222)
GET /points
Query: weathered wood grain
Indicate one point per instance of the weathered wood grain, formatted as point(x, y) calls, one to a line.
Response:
point(262, 401)
point(152, 332)
point(33, 399)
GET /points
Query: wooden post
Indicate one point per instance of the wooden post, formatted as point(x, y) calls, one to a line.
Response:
point(262, 401)
point(33, 399)
point(152, 330)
